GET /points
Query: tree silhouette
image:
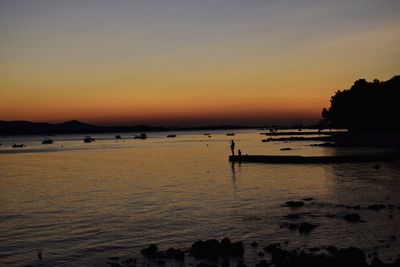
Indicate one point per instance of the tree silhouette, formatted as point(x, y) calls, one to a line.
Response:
point(371, 106)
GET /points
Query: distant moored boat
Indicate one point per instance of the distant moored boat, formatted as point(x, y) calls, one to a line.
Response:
point(117, 136)
point(141, 136)
point(17, 146)
point(171, 135)
point(88, 139)
point(47, 141)
point(230, 134)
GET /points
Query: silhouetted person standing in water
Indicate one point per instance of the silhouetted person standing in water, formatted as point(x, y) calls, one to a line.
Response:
point(233, 147)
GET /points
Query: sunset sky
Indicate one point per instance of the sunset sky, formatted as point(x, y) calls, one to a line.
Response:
point(186, 62)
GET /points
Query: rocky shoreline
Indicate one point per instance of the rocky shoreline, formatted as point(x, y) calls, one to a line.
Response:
point(212, 252)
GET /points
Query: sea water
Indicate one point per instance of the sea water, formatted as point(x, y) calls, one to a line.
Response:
point(81, 203)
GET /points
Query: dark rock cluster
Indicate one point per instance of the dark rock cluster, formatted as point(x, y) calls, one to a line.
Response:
point(352, 217)
point(303, 228)
point(213, 249)
point(333, 258)
point(376, 207)
point(217, 253)
point(294, 204)
point(153, 252)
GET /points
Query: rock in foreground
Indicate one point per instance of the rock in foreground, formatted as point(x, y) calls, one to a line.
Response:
point(213, 249)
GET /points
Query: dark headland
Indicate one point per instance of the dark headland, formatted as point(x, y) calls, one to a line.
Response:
point(367, 110)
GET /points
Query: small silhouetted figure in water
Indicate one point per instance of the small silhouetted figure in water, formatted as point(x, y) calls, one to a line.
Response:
point(233, 147)
point(39, 254)
point(271, 131)
point(239, 153)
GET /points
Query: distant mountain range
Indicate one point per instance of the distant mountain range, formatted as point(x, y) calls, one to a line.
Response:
point(76, 127)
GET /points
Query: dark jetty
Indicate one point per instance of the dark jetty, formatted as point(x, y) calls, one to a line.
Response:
point(325, 144)
point(300, 133)
point(314, 159)
point(299, 138)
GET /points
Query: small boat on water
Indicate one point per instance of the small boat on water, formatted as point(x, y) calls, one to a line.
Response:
point(142, 136)
point(47, 141)
point(230, 134)
point(171, 135)
point(117, 136)
point(17, 145)
point(88, 139)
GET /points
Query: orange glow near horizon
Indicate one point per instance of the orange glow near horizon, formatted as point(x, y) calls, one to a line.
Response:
point(188, 63)
point(204, 107)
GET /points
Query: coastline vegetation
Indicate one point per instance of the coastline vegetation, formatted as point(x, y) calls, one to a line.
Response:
point(366, 106)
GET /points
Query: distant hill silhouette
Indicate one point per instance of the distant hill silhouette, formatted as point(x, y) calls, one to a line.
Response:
point(370, 106)
point(69, 127)
point(77, 127)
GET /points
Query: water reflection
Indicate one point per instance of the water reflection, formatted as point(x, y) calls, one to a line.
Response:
point(93, 197)
point(235, 170)
point(365, 182)
point(233, 175)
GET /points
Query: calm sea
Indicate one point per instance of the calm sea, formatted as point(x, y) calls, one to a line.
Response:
point(81, 203)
